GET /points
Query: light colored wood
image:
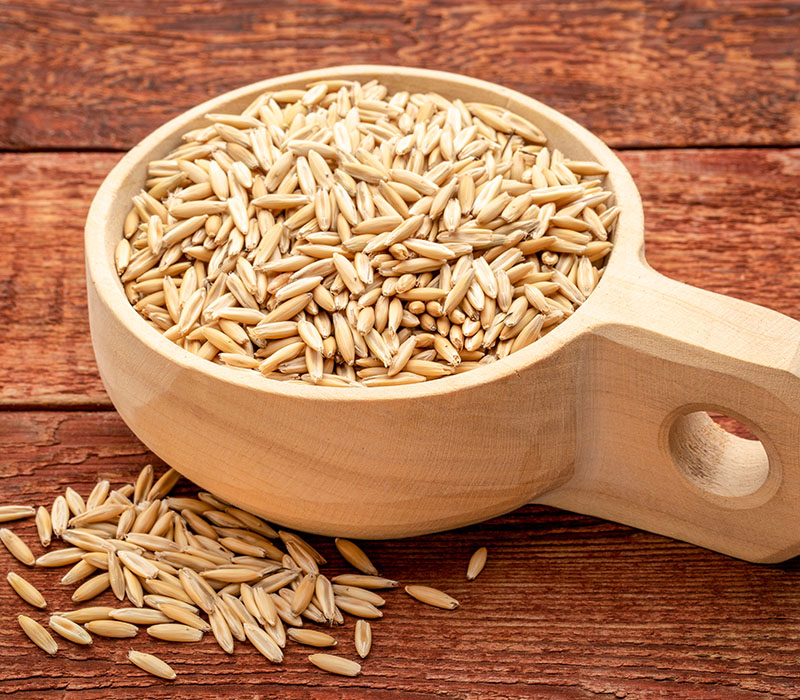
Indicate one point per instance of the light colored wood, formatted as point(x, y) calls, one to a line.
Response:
point(593, 417)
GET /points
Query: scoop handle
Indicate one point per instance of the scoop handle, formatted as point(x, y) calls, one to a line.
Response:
point(658, 355)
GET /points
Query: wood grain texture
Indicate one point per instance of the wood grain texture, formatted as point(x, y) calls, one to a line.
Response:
point(567, 607)
point(42, 285)
point(724, 220)
point(102, 75)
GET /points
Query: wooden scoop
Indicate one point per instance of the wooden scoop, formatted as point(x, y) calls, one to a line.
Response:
point(605, 415)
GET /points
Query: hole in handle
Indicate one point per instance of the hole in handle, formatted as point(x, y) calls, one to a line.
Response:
point(714, 458)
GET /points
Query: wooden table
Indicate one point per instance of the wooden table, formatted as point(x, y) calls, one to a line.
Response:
point(700, 98)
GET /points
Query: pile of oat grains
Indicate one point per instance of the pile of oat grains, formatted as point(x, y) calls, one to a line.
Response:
point(341, 235)
point(188, 566)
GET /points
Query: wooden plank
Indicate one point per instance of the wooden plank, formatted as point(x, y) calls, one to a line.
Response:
point(725, 220)
point(567, 607)
point(101, 75)
point(47, 355)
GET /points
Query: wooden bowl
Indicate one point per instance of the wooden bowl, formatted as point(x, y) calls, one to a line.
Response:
point(605, 415)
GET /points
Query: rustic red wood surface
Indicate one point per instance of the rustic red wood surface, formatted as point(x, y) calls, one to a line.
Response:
point(568, 606)
point(101, 75)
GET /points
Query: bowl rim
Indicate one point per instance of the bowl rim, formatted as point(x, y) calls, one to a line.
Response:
point(101, 275)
